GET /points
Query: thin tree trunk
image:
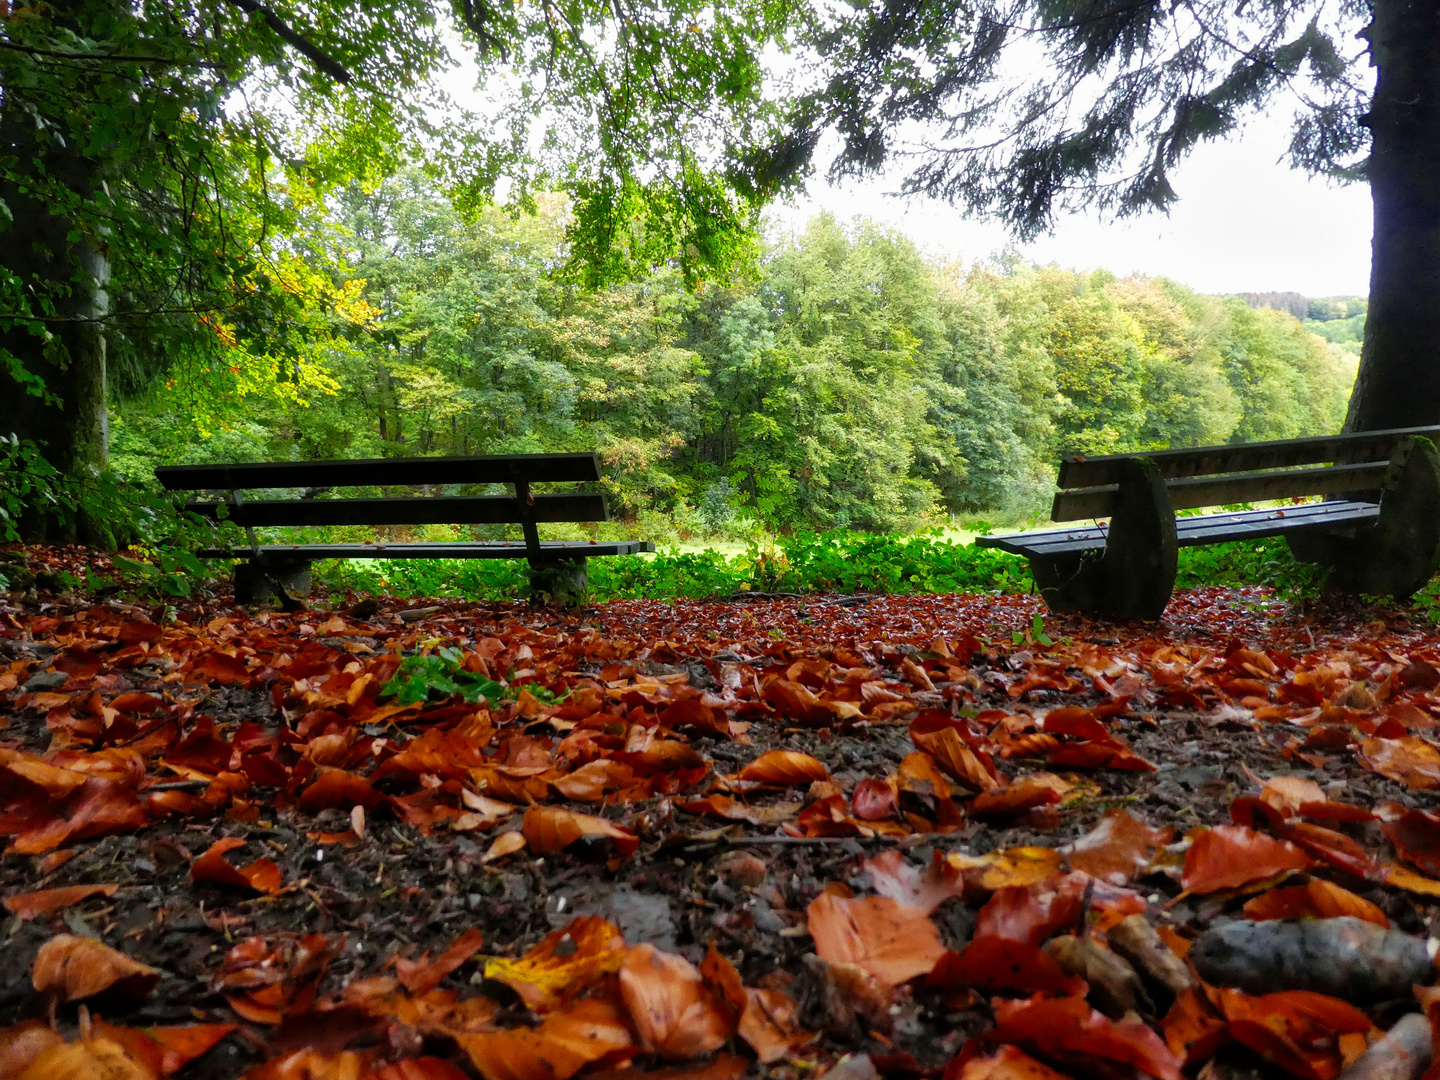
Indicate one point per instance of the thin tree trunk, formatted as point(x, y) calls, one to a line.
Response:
point(1399, 379)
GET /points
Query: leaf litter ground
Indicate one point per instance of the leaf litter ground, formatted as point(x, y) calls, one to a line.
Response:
point(714, 838)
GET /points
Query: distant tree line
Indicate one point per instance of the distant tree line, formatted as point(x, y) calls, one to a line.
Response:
point(847, 381)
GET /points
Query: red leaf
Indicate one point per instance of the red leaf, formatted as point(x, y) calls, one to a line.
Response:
point(262, 875)
point(1230, 856)
point(998, 965)
point(1068, 1029)
point(422, 976)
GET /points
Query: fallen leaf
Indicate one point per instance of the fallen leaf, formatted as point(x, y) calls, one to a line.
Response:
point(671, 1009)
point(890, 941)
point(422, 976)
point(504, 844)
point(1067, 1029)
point(1315, 899)
point(89, 1059)
point(559, 1047)
point(1411, 760)
point(1231, 856)
point(1006, 1063)
point(1000, 965)
point(786, 768)
point(71, 968)
point(1117, 849)
point(1010, 867)
point(549, 830)
point(42, 902)
point(925, 889)
point(564, 962)
point(262, 875)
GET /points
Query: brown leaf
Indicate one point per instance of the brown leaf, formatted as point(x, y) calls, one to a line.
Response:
point(890, 941)
point(1316, 899)
point(1411, 760)
point(563, 1044)
point(550, 830)
point(670, 1007)
point(44, 901)
point(90, 1059)
point(785, 767)
point(71, 968)
point(1117, 849)
point(262, 875)
point(422, 976)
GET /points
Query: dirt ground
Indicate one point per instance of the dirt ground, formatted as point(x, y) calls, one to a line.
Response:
point(225, 713)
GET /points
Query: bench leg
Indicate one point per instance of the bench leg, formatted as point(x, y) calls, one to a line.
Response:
point(559, 582)
point(1135, 574)
point(287, 581)
point(1399, 553)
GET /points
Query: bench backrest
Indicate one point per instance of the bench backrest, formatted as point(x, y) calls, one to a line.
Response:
point(520, 470)
point(1245, 472)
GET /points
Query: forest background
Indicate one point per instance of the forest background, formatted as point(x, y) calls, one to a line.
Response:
point(846, 382)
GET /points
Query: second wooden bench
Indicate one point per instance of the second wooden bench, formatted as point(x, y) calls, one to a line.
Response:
point(1379, 528)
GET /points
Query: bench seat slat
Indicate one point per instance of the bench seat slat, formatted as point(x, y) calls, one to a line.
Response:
point(384, 472)
point(1192, 493)
point(1193, 531)
point(444, 510)
point(1243, 457)
point(500, 549)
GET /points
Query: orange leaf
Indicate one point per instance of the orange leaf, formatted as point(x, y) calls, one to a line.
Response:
point(183, 1043)
point(1289, 793)
point(72, 968)
point(1230, 856)
point(422, 976)
point(92, 1059)
point(769, 1024)
point(1032, 913)
point(557, 1049)
point(1314, 900)
point(421, 1068)
point(22, 1043)
point(1410, 760)
point(670, 1007)
point(262, 875)
point(1192, 1029)
point(550, 830)
point(1416, 836)
point(1117, 849)
point(504, 844)
point(890, 941)
point(961, 763)
point(28, 905)
point(785, 767)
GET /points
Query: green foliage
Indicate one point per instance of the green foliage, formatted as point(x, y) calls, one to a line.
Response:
point(171, 575)
point(436, 676)
point(829, 562)
point(1251, 562)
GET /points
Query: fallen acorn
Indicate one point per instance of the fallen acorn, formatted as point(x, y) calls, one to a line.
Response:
point(1344, 957)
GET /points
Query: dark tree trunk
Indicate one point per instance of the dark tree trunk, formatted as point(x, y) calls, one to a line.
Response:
point(1399, 380)
point(69, 422)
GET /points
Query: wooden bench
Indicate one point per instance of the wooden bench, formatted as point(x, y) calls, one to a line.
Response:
point(1379, 528)
point(557, 569)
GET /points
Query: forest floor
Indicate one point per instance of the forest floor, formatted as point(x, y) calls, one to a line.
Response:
point(710, 838)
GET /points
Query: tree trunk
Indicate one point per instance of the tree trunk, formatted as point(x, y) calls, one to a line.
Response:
point(54, 261)
point(1399, 379)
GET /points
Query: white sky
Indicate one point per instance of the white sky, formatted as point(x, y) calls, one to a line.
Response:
point(1245, 222)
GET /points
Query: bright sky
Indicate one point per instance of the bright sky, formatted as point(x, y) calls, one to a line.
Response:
point(1245, 222)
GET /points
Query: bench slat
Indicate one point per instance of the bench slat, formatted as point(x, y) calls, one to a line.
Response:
point(500, 549)
point(1191, 493)
point(1194, 531)
point(446, 510)
point(384, 472)
point(1244, 457)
